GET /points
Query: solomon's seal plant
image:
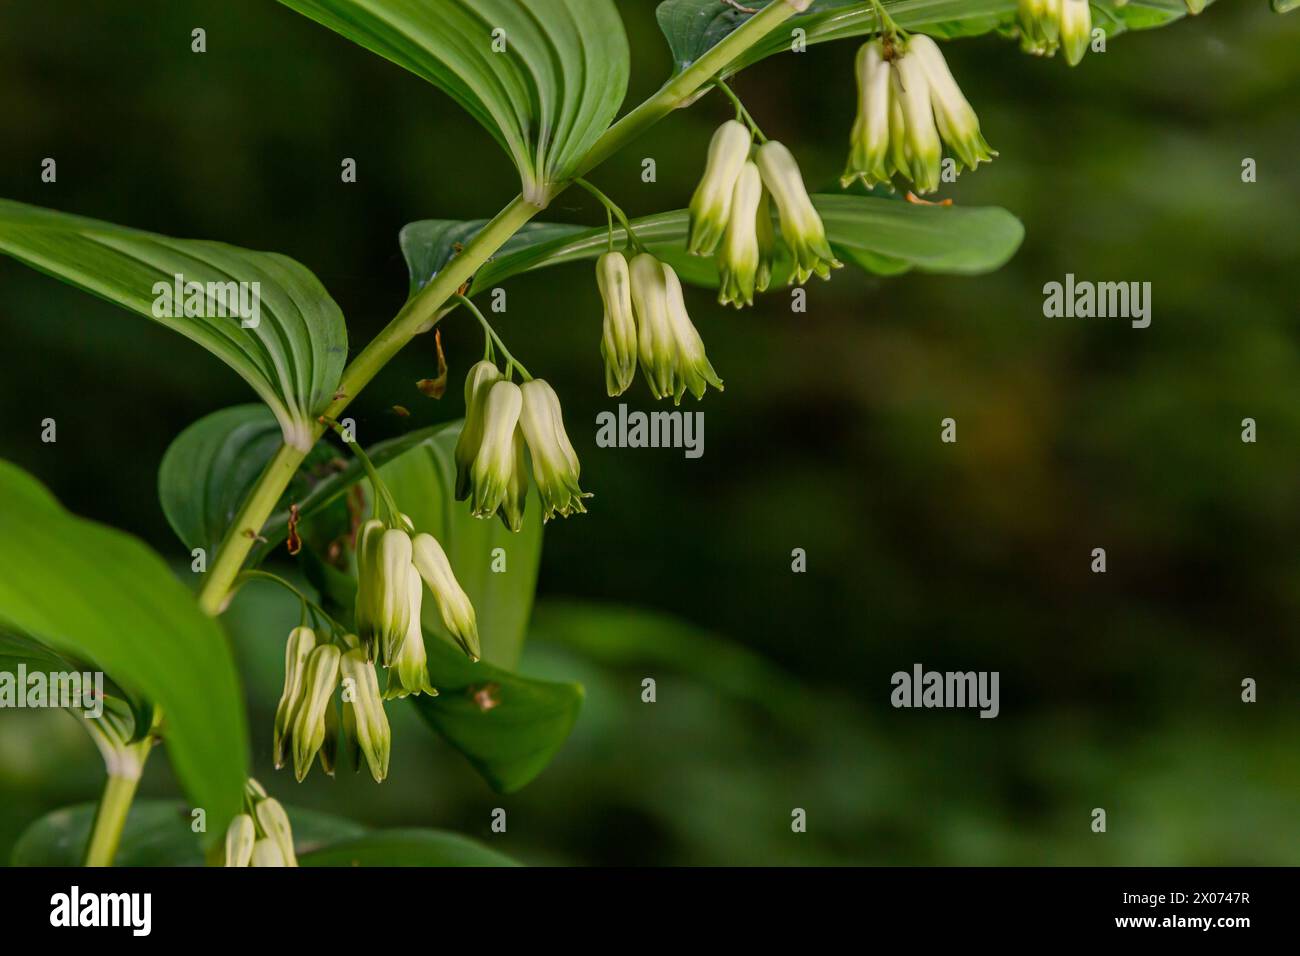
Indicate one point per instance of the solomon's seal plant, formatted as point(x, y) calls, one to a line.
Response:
point(391, 542)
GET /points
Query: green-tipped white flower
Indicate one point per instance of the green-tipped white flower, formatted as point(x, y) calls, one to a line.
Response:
point(555, 463)
point(923, 149)
point(958, 125)
point(266, 852)
point(453, 603)
point(740, 257)
point(408, 671)
point(801, 226)
point(480, 379)
point(275, 824)
point(694, 371)
point(240, 837)
point(302, 640)
point(900, 157)
point(711, 205)
point(495, 461)
point(869, 141)
point(654, 337)
point(512, 509)
point(383, 606)
point(309, 719)
point(365, 725)
point(1040, 26)
point(618, 336)
point(671, 352)
point(1076, 29)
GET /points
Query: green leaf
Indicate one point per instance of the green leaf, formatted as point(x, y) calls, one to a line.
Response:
point(545, 98)
point(883, 236)
point(508, 727)
point(429, 244)
point(692, 27)
point(212, 466)
point(157, 833)
point(293, 358)
point(407, 847)
point(100, 595)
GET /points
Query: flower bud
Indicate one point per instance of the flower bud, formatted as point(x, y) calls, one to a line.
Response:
point(923, 149)
point(900, 156)
point(555, 463)
point(408, 672)
point(739, 258)
point(495, 461)
point(711, 205)
point(869, 141)
point(240, 837)
point(694, 371)
point(453, 603)
point(618, 339)
point(275, 824)
point(801, 226)
point(1076, 29)
point(480, 379)
point(512, 508)
point(329, 748)
point(365, 725)
point(309, 719)
point(267, 853)
point(957, 123)
point(301, 642)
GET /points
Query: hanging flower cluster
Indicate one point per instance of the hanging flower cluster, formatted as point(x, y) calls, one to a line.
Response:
point(261, 835)
point(909, 108)
point(506, 426)
point(1046, 25)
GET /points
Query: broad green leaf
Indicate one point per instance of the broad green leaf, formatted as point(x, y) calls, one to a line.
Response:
point(407, 847)
point(212, 466)
point(546, 93)
point(692, 27)
point(122, 718)
point(157, 833)
point(292, 358)
point(97, 594)
point(508, 727)
point(883, 236)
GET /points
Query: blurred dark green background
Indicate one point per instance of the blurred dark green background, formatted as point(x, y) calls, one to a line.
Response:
point(1118, 691)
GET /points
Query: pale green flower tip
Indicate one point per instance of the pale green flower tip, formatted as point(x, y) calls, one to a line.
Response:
point(274, 821)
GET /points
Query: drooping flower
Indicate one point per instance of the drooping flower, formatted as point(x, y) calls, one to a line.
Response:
point(453, 603)
point(801, 226)
point(383, 606)
point(482, 376)
point(766, 243)
point(302, 640)
point(1040, 26)
point(740, 255)
point(1076, 29)
point(922, 148)
point(618, 337)
point(957, 123)
point(495, 462)
point(408, 671)
point(319, 683)
point(671, 351)
point(711, 205)
point(240, 837)
point(365, 725)
point(869, 141)
point(555, 463)
point(694, 370)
